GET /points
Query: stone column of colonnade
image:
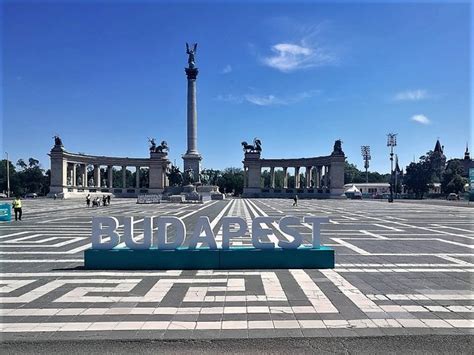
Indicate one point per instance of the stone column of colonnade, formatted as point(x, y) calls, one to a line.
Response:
point(272, 177)
point(137, 177)
point(124, 176)
point(308, 176)
point(326, 176)
point(285, 177)
point(297, 177)
point(318, 176)
point(73, 177)
point(97, 181)
point(110, 176)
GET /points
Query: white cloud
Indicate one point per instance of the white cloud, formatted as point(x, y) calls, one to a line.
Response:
point(421, 119)
point(411, 95)
point(230, 98)
point(227, 69)
point(263, 100)
point(268, 100)
point(288, 57)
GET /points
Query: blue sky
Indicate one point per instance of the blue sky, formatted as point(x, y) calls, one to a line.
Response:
point(105, 76)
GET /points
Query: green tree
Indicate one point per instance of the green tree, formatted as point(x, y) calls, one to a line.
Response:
point(352, 175)
point(418, 177)
point(14, 184)
point(231, 181)
point(31, 177)
point(452, 180)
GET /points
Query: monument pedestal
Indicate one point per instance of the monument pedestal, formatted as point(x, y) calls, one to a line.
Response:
point(193, 162)
point(207, 259)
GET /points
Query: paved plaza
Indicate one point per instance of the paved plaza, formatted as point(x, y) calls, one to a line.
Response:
point(401, 269)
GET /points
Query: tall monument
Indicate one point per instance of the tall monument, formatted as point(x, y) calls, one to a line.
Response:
point(192, 158)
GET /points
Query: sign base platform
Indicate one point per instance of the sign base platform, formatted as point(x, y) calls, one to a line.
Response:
point(207, 259)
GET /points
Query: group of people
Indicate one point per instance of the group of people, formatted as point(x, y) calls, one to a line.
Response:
point(97, 201)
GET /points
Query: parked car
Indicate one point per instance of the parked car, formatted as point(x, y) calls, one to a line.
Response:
point(452, 196)
point(31, 195)
point(2, 195)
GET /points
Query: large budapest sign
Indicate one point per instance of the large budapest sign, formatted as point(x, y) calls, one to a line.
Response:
point(156, 250)
point(105, 235)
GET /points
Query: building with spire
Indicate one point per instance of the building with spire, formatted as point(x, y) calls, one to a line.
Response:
point(438, 160)
point(466, 163)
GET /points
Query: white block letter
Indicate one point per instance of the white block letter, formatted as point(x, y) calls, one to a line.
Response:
point(285, 223)
point(316, 222)
point(104, 226)
point(128, 233)
point(258, 232)
point(162, 233)
point(227, 234)
point(203, 226)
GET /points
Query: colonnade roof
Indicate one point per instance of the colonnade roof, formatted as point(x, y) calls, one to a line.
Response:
point(294, 162)
point(104, 160)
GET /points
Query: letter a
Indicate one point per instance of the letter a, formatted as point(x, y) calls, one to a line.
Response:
point(203, 225)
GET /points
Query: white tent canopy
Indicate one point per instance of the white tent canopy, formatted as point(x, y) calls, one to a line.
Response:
point(353, 188)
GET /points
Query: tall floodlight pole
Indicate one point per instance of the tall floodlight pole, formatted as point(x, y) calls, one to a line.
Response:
point(396, 174)
point(365, 151)
point(391, 142)
point(8, 175)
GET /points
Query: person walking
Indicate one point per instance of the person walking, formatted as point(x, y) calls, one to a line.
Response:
point(88, 200)
point(295, 199)
point(104, 200)
point(17, 208)
point(108, 199)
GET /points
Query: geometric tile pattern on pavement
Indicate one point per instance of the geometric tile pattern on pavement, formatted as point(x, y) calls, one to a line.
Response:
point(400, 269)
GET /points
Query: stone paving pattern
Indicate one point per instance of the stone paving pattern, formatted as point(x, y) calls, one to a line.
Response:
point(401, 269)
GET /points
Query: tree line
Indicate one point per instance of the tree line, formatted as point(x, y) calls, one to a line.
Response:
point(420, 176)
point(25, 177)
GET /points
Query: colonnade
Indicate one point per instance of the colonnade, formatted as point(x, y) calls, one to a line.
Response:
point(323, 174)
point(69, 173)
point(315, 177)
point(77, 176)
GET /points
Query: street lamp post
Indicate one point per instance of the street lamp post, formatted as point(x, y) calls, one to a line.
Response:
point(8, 176)
point(365, 151)
point(391, 142)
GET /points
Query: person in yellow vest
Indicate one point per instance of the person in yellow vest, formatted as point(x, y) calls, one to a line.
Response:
point(17, 208)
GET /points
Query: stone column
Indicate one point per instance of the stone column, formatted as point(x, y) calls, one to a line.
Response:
point(308, 176)
point(325, 176)
point(272, 177)
point(97, 181)
point(285, 177)
point(137, 177)
point(297, 177)
point(74, 177)
point(84, 175)
point(124, 177)
point(192, 158)
point(320, 174)
point(110, 176)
